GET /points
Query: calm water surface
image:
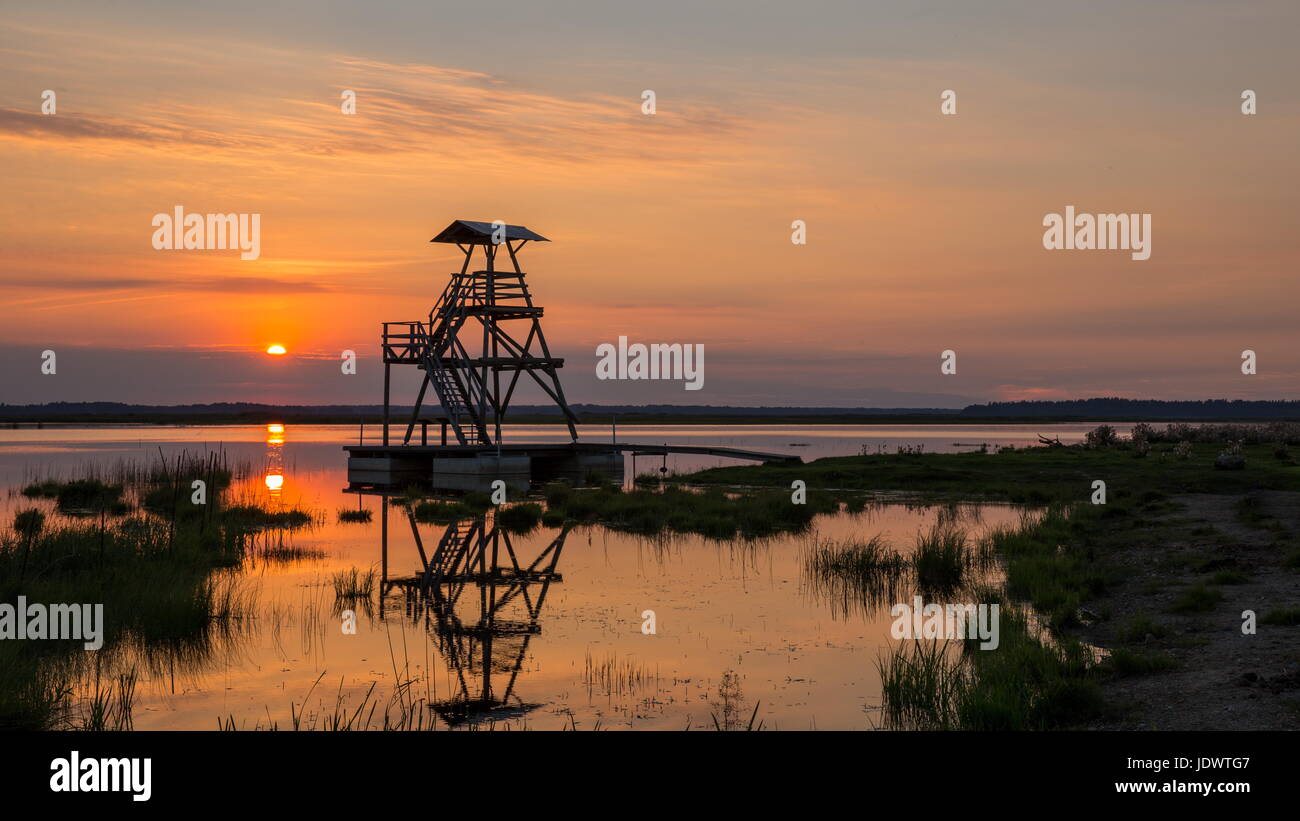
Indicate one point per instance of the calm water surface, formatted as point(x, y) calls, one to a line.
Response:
point(739, 624)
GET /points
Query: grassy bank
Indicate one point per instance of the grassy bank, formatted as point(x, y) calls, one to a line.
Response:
point(712, 513)
point(1079, 639)
point(159, 563)
point(1040, 475)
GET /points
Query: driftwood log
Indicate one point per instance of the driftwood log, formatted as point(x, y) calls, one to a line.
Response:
point(1052, 443)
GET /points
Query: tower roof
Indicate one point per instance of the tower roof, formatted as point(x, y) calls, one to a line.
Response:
point(470, 232)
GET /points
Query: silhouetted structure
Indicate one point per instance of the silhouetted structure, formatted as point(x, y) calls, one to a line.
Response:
point(481, 338)
point(467, 344)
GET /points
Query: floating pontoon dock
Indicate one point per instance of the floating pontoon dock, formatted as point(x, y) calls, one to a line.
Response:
point(475, 467)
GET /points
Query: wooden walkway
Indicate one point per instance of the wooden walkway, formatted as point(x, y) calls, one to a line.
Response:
point(636, 448)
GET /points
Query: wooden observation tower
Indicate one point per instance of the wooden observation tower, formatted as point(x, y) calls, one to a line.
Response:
point(481, 336)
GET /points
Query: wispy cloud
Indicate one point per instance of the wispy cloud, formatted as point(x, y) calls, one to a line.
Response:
point(224, 284)
point(443, 113)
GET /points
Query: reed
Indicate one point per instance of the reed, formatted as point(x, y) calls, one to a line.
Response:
point(615, 676)
point(352, 585)
point(161, 573)
point(519, 518)
point(941, 559)
point(1027, 683)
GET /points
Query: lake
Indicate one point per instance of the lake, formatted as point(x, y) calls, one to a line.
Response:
point(741, 628)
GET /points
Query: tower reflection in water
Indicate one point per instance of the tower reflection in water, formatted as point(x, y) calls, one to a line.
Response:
point(482, 601)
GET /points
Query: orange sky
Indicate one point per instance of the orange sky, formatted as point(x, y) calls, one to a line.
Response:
point(924, 231)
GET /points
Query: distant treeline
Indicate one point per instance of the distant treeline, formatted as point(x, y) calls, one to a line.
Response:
point(226, 413)
point(231, 409)
point(1114, 407)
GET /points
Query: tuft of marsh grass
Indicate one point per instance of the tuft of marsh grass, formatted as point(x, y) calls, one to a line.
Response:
point(1283, 616)
point(855, 576)
point(941, 558)
point(47, 489)
point(855, 559)
point(108, 708)
point(614, 676)
point(519, 518)
point(553, 518)
point(922, 686)
point(1250, 510)
point(1044, 565)
point(1024, 684)
point(712, 513)
point(1292, 559)
point(442, 513)
point(81, 497)
point(1197, 598)
point(352, 585)
point(1127, 663)
point(248, 518)
point(159, 573)
point(350, 515)
point(1229, 577)
point(1141, 625)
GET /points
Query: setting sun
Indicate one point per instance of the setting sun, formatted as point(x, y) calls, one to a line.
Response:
point(276, 350)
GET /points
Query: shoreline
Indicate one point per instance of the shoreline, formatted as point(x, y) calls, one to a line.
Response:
point(399, 416)
point(1160, 577)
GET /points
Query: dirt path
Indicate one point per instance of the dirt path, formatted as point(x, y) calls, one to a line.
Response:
point(1224, 680)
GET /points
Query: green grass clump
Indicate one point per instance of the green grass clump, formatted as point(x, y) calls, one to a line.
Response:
point(1292, 559)
point(856, 576)
point(1250, 510)
point(29, 523)
point(1197, 598)
point(941, 558)
point(163, 580)
point(1031, 475)
point(1127, 663)
point(251, 518)
point(553, 518)
point(351, 585)
point(91, 496)
point(556, 494)
point(855, 560)
point(1141, 625)
point(442, 513)
point(157, 587)
point(519, 518)
point(713, 513)
point(1229, 577)
point(1284, 616)
point(1047, 564)
point(48, 489)
point(1024, 684)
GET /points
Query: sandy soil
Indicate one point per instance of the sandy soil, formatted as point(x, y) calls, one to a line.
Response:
point(1225, 680)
